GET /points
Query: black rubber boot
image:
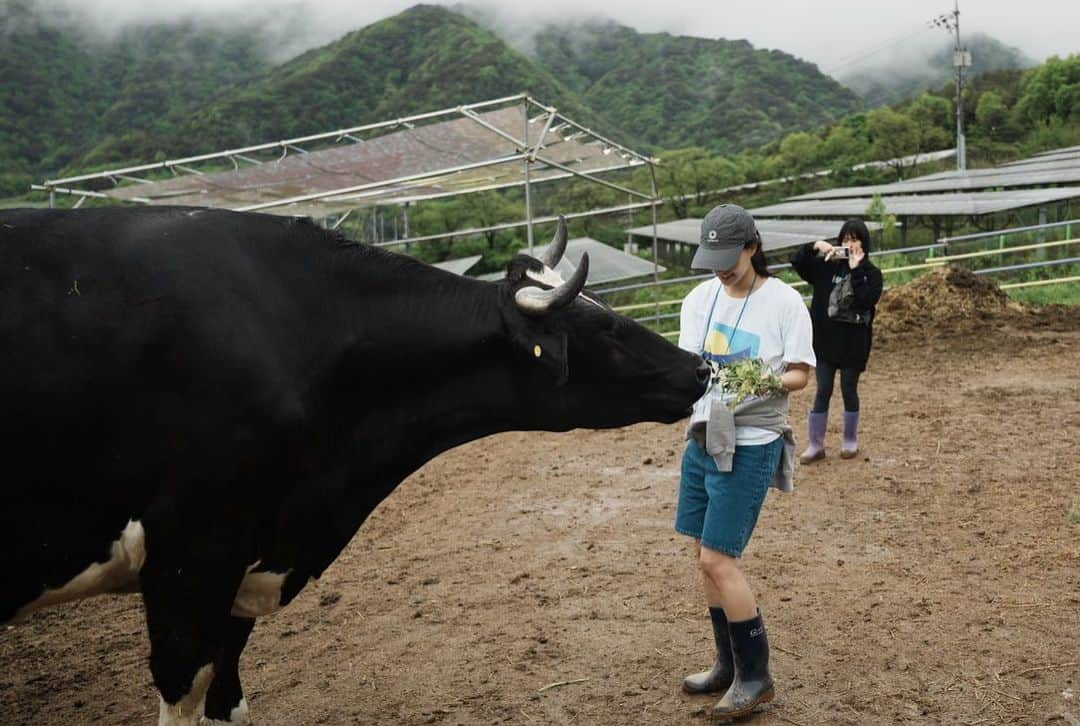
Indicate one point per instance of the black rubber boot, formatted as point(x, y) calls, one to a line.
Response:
point(753, 684)
point(719, 677)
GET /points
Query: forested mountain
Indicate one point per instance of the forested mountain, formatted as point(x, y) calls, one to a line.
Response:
point(423, 59)
point(172, 99)
point(673, 91)
point(63, 93)
point(901, 75)
point(72, 103)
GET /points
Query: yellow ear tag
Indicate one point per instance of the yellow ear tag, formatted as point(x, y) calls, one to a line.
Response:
point(537, 351)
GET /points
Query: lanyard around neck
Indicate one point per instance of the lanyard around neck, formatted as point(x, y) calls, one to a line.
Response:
point(708, 320)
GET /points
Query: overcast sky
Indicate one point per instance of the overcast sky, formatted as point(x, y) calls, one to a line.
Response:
point(835, 34)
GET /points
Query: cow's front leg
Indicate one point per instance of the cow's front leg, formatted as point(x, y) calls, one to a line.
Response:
point(225, 703)
point(187, 615)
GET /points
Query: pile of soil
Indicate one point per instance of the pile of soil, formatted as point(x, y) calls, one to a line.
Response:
point(941, 300)
point(952, 303)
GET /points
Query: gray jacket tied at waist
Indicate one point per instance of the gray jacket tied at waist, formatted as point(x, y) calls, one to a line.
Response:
point(769, 413)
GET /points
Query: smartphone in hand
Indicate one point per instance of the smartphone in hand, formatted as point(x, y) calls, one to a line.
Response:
point(838, 252)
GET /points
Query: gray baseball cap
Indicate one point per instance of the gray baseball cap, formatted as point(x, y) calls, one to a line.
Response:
point(724, 232)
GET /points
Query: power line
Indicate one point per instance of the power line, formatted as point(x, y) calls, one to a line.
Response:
point(873, 50)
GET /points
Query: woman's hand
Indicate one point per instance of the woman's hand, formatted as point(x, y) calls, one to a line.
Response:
point(827, 250)
point(855, 257)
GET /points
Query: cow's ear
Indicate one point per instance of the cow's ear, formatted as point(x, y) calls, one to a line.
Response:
point(547, 349)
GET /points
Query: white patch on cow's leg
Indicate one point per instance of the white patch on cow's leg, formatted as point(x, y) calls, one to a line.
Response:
point(189, 709)
point(259, 593)
point(239, 716)
point(118, 574)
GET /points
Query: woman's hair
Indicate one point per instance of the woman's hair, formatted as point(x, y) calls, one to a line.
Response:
point(761, 266)
point(856, 228)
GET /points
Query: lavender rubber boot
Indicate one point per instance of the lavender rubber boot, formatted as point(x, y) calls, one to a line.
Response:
point(850, 446)
point(816, 450)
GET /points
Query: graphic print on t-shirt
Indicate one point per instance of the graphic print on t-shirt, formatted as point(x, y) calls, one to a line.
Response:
point(725, 345)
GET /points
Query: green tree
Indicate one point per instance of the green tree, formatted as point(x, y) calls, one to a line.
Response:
point(799, 152)
point(433, 217)
point(1051, 92)
point(876, 211)
point(487, 209)
point(688, 176)
point(892, 135)
point(842, 145)
point(992, 117)
point(933, 120)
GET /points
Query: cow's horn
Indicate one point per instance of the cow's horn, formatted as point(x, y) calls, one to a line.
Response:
point(537, 301)
point(557, 248)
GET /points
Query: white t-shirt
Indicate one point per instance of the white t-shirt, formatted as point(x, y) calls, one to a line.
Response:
point(774, 326)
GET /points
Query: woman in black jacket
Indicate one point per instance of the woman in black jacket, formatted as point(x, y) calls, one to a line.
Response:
point(842, 326)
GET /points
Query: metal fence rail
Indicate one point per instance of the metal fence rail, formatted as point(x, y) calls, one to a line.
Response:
point(931, 262)
point(1011, 230)
point(772, 268)
point(1040, 283)
point(1006, 250)
point(1027, 266)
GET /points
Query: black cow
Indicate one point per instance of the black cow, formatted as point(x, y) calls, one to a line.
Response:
point(204, 406)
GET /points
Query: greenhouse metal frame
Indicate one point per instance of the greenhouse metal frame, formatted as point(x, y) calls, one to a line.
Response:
point(393, 162)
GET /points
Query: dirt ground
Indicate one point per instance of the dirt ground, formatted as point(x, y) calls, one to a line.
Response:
point(934, 579)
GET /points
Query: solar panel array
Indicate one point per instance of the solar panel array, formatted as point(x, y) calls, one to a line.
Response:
point(958, 204)
point(1056, 152)
point(606, 264)
point(1052, 168)
point(776, 234)
point(1052, 163)
point(1071, 154)
point(460, 266)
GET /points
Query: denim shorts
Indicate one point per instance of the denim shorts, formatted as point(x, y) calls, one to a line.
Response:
point(721, 507)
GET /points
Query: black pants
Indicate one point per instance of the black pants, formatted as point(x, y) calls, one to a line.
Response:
point(849, 385)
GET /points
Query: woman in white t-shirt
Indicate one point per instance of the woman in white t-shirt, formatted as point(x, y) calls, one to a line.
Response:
point(733, 456)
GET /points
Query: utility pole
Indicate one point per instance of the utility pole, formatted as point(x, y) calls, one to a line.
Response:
point(961, 60)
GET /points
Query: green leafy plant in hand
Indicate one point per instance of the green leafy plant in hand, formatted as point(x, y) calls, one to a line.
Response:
point(745, 378)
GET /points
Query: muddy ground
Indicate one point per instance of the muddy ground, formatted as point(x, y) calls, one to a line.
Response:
point(934, 579)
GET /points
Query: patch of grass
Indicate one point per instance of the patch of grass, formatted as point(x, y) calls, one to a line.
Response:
point(1074, 511)
point(25, 201)
point(1067, 293)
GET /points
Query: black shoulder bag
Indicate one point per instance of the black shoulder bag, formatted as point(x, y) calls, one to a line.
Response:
point(842, 303)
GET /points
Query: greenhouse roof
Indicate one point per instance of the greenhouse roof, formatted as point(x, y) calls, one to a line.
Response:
point(471, 148)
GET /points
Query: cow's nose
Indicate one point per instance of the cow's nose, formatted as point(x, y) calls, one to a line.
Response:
point(703, 372)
